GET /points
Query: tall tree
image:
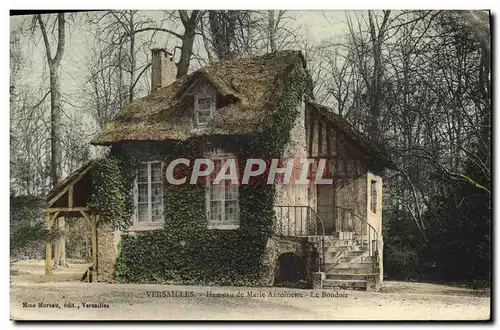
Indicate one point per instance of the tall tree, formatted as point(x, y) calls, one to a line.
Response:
point(54, 63)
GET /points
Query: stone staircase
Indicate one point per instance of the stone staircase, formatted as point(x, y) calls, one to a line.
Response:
point(347, 264)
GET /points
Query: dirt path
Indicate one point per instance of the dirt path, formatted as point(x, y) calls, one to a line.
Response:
point(136, 302)
point(68, 299)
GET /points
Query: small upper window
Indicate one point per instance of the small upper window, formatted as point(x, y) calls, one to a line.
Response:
point(204, 109)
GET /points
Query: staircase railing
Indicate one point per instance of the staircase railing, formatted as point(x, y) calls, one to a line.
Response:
point(299, 221)
point(355, 223)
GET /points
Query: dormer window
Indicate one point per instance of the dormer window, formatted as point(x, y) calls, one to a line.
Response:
point(204, 108)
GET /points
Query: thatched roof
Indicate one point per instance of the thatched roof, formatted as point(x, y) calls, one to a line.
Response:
point(248, 84)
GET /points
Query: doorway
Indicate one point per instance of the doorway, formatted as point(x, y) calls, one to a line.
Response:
point(326, 206)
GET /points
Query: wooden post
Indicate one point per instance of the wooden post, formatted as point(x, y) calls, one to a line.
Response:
point(94, 247)
point(70, 197)
point(48, 252)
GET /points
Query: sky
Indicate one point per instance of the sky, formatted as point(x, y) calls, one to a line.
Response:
point(314, 26)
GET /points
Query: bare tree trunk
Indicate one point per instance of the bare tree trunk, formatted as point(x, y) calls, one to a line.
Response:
point(222, 29)
point(271, 30)
point(55, 127)
point(189, 24)
point(132, 57)
point(55, 117)
point(376, 90)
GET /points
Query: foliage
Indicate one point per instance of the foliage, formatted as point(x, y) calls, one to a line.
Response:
point(420, 83)
point(458, 234)
point(402, 246)
point(27, 228)
point(457, 241)
point(186, 251)
point(110, 196)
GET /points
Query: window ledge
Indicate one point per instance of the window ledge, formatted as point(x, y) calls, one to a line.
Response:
point(223, 226)
point(200, 129)
point(146, 226)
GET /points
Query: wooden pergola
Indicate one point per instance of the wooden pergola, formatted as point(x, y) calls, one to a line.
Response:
point(69, 198)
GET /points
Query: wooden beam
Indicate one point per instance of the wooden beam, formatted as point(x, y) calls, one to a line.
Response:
point(328, 140)
point(48, 251)
point(70, 196)
point(85, 215)
point(67, 209)
point(56, 197)
point(311, 133)
point(78, 178)
point(94, 248)
point(320, 137)
point(53, 217)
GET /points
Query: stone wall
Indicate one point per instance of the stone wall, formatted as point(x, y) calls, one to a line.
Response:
point(107, 252)
point(276, 246)
point(353, 196)
point(375, 218)
point(293, 221)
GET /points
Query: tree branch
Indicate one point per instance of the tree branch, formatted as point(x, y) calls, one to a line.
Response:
point(159, 29)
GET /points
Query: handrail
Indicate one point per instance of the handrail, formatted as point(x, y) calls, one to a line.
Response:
point(371, 249)
point(321, 263)
point(296, 226)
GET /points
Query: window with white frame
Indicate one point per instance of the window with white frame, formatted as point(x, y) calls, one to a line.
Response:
point(204, 108)
point(149, 194)
point(222, 199)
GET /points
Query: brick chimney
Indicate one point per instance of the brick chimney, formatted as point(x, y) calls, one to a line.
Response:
point(163, 69)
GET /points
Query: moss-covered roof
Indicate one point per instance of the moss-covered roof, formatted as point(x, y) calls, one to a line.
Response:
point(251, 85)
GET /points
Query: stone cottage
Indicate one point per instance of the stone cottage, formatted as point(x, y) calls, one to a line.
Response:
point(324, 233)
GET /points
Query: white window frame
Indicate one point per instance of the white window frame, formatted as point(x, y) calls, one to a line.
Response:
point(197, 97)
point(233, 224)
point(148, 224)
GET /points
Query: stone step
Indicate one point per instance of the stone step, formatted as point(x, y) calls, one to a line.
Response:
point(340, 242)
point(331, 267)
point(356, 258)
point(343, 235)
point(333, 259)
point(345, 284)
point(331, 237)
point(352, 276)
point(351, 271)
point(345, 248)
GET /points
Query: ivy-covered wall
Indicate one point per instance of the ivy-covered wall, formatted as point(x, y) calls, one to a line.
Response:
point(185, 251)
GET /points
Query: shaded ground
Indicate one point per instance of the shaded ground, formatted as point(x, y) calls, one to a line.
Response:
point(32, 271)
point(398, 300)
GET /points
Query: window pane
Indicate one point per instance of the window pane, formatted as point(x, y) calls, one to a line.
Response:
point(149, 192)
point(216, 211)
point(142, 173)
point(231, 191)
point(231, 211)
point(143, 192)
point(204, 103)
point(216, 192)
point(156, 193)
point(155, 172)
point(203, 116)
point(157, 212)
point(142, 212)
point(223, 197)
